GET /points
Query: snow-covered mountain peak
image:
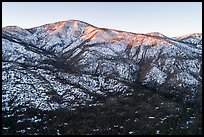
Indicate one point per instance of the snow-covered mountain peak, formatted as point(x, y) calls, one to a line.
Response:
point(190, 35)
point(194, 38)
point(15, 30)
point(157, 34)
point(72, 55)
point(12, 28)
point(71, 29)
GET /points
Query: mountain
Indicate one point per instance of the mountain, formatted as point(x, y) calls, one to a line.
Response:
point(68, 64)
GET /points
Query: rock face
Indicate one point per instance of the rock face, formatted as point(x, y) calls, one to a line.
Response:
point(69, 63)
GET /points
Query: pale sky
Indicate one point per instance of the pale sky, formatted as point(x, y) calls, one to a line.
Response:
point(168, 18)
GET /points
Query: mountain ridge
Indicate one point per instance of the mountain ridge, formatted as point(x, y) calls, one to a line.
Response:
point(102, 28)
